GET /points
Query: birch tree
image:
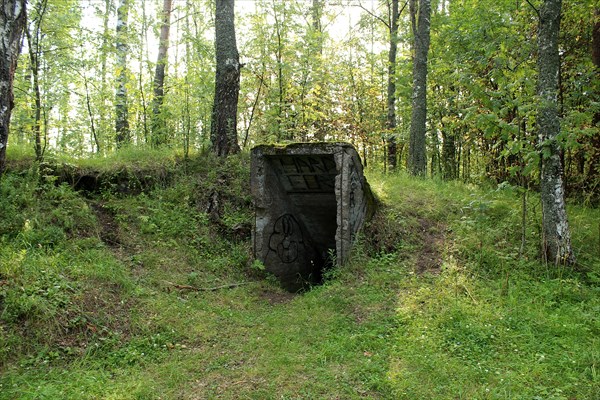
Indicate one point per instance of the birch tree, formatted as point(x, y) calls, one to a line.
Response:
point(121, 108)
point(33, 32)
point(158, 121)
point(391, 86)
point(12, 23)
point(557, 237)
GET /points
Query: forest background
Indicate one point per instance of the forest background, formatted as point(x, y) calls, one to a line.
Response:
point(313, 70)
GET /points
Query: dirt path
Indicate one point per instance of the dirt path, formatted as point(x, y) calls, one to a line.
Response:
point(431, 238)
point(109, 229)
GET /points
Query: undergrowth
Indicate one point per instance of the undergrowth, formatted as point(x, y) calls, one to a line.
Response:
point(155, 294)
point(495, 322)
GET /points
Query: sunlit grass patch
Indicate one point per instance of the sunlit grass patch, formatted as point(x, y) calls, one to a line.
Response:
point(496, 323)
point(537, 340)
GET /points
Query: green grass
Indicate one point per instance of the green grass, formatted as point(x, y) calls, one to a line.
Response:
point(492, 325)
point(435, 304)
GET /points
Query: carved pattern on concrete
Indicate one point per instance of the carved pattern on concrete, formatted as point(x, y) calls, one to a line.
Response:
point(306, 173)
point(286, 240)
point(310, 200)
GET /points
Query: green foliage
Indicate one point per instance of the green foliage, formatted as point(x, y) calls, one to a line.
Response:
point(156, 295)
point(303, 80)
point(41, 214)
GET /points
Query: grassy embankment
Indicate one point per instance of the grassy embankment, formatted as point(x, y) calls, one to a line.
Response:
point(97, 296)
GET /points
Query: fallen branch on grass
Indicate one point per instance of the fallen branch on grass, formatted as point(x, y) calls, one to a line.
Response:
point(469, 293)
point(202, 289)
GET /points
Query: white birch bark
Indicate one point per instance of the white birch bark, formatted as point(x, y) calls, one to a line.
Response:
point(12, 23)
point(557, 238)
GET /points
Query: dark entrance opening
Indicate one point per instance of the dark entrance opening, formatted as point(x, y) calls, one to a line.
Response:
point(303, 236)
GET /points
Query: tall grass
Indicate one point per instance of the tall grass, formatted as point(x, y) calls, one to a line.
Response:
point(82, 317)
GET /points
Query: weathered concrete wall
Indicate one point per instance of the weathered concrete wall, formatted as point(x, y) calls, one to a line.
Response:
point(310, 199)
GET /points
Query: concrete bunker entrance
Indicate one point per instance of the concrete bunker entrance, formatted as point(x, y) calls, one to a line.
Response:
point(310, 201)
point(306, 186)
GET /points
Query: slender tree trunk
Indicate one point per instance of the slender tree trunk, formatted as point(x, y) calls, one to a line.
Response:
point(448, 154)
point(596, 54)
point(33, 32)
point(223, 132)
point(159, 126)
point(280, 83)
point(187, 115)
point(315, 68)
point(143, 56)
point(104, 120)
point(123, 135)
point(436, 168)
point(317, 12)
point(391, 86)
point(466, 162)
point(95, 140)
point(417, 158)
point(556, 237)
point(37, 97)
point(253, 110)
point(593, 177)
point(12, 24)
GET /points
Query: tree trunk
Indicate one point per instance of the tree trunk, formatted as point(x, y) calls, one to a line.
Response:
point(143, 57)
point(123, 136)
point(12, 23)
point(280, 83)
point(88, 104)
point(556, 238)
point(593, 176)
point(417, 158)
point(436, 167)
point(449, 169)
point(33, 32)
point(315, 71)
point(37, 96)
point(391, 86)
point(103, 119)
point(223, 132)
point(159, 126)
point(187, 115)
